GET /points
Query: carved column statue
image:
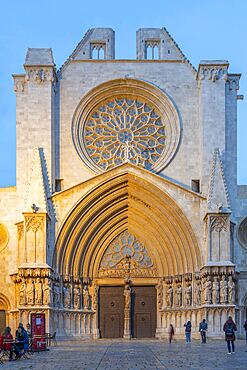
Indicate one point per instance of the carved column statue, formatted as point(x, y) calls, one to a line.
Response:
point(231, 290)
point(22, 293)
point(66, 295)
point(169, 297)
point(188, 295)
point(216, 291)
point(223, 290)
point(77, 297)
point(197, 293)
point(159, 288)
point(30, 293)
point(47, 292)
point(127, 312)
point(178, 296)
point(208, 290)
point(56, 294)
point(86, 298)
point(38, 292)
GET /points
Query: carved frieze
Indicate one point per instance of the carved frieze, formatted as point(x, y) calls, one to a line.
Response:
point(39, 74)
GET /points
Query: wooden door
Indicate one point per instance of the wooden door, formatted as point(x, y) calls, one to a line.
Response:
point(111, 312)
point(143, 311)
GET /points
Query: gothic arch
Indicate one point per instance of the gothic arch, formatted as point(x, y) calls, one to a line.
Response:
point(130, 203)
point(4, 302)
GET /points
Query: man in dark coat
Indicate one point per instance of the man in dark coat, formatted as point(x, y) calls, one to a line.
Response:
point(229, 329)
point(203, 327)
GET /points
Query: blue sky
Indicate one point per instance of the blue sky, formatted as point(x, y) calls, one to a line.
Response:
point(212, 29)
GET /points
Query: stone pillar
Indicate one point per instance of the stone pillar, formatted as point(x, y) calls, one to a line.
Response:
point(95, 307)
point(127, 312)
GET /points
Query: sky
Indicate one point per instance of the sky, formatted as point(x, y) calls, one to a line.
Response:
point(211, 29)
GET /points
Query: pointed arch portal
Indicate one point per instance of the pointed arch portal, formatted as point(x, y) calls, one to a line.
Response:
point(126, 203)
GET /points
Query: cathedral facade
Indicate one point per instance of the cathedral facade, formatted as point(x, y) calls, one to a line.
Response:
point(126, 215)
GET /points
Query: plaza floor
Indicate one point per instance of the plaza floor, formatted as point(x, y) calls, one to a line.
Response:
point(135, 354)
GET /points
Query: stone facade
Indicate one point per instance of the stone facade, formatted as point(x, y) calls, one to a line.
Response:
point(126, 175)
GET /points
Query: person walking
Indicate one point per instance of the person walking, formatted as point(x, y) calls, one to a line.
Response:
point(203, 327)
point(171, 332)
point(229, 329)
point(245, 328)
point(188, 332)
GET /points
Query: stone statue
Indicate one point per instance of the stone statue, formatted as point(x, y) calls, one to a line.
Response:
point(231, 290)
point(169, 296)
point(127, 295)
point(223, 290)
point(66, 296)
point(47, 292)
point(86, 298)
point(56, 295)
point(22, 293)
point(30, 293)
point(178, 296)
point(38, 292)
point(208, 290)
point(159, 288)
point(95, 297)
point(77, 297)
point(216, 291)
point(188, 295)
point(197, 293)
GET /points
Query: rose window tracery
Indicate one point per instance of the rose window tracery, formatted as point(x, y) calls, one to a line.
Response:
point(124, 129)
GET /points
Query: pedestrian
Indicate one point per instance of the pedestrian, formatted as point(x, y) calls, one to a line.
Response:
point(245, 328)
point(229, 329)
point(188, 332)
point(171, 332)
point(203, 327)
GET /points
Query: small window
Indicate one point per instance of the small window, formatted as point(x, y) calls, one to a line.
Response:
point(195, 185)
point(98, 51)
point(58, 185)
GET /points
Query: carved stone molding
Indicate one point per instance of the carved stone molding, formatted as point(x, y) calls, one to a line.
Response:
point(4, 237)
point(39, 74)
point(219, 223)
point(212, 73)
point(242, 232)
point(19, 85)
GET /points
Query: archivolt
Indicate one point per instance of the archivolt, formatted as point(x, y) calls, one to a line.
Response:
point(4, 302)
point(126, 202)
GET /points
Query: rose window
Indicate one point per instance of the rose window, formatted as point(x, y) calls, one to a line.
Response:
point(124, 130)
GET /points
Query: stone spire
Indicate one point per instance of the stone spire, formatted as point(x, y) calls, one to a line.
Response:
point(218, 199)
point(37, 187)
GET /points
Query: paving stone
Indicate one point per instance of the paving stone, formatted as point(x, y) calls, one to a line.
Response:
point(135, 355)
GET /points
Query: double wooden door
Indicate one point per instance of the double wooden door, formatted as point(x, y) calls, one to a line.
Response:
point(143, 312)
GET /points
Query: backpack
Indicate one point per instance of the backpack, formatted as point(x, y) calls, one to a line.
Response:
point(229, 330)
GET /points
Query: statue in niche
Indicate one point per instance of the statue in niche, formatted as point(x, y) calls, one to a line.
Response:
point(188, 295)
point(127, 295)
point(86, 298)
point(77, 297)
point(223, 290)
point(30, 293)
point(66, 295)
point(178, 296)
point(169, 296)
point(197, 293)
point(22, 293)
point(231, 290)
point(159, 288)
point(208, 290)
point(95, 297)
point(216, 291)
point(38, 292)
point(56, 295)
point(47, 292)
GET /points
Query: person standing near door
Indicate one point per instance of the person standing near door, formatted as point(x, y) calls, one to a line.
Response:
point(203, 327)
point(229, 329)
point(188, 332)
point(171, 332)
